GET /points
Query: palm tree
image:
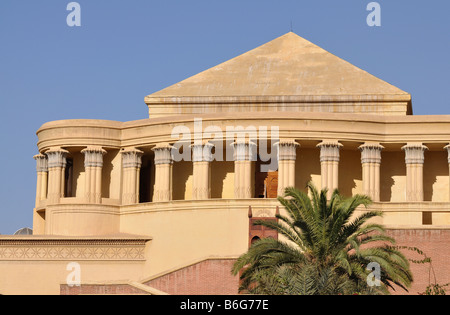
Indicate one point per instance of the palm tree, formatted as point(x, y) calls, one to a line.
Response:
point(325, 249)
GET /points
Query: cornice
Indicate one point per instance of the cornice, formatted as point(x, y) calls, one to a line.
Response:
point(296, 125)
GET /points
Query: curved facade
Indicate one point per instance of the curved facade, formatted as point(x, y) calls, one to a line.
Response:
point(219, 148)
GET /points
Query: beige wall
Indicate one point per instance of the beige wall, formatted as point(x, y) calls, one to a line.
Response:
point(185, 231)
point(350, 173)
point(45, 277)
point(392, 177)
point(78, 175)
point(73, 219)
point(222, 179)
point(307, 168)
point(112, 170)
point(435, 177)
point(182, 180)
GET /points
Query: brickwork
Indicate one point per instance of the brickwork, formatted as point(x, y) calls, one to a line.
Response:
point(100, 289)
point(209, 277)
point(436, 245)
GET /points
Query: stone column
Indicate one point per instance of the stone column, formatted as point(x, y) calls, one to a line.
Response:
point(448, 150)
point(244, 155)
point(329, 164)
point(42, 178)
point(287, 154)
point(202, 158)
point(131, 165)
point(93, 165)
point(163, 172)
point(371, 162)
point(56, 174)
point(414, 158)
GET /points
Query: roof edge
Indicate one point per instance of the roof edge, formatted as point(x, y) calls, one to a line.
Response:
point(402, 97)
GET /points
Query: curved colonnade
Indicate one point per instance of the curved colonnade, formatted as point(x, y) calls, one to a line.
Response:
point(90, 171)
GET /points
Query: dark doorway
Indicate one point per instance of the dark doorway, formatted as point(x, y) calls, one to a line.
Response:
point(266, 183)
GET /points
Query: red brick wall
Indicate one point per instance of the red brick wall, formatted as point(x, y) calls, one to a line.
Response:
point(436, 245)
point(105, 289)
point(209, 277)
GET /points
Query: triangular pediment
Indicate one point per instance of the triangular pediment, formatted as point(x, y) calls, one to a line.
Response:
point(289, 68)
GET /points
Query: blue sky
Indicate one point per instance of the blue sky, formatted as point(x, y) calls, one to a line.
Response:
point(125, 50)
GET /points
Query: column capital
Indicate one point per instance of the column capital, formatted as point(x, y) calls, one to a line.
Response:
point(329, 150)
point(244, 150)
point(57, 157)
point(201, 151)
point(41, 163)
point(371, 152)
point(131, 158)
point(163, 153)
point(93, 156)
point(287, 149)
point(414, 153)
point(447, 147)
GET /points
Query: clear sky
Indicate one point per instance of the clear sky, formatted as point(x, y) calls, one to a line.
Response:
point(125, 50)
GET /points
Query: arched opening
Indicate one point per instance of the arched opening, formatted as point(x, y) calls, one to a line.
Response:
point(254, 239)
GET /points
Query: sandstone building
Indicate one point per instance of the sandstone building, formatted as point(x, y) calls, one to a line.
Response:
point(137, 215)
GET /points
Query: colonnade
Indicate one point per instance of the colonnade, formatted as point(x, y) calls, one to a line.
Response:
point(51, 165)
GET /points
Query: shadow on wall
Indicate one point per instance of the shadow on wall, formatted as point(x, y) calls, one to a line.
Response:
point(392, 176)
point(108, 169)
point(307, 166)
point(219, 172)
point(435, 176)
point(182, 171)
point(350, 173)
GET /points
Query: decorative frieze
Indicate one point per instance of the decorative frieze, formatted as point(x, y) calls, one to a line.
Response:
point(71, 250)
